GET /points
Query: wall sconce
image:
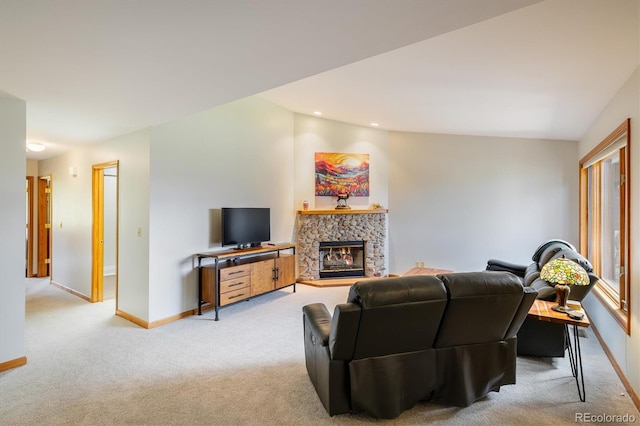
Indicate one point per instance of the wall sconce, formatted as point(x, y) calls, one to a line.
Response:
point(73, 171)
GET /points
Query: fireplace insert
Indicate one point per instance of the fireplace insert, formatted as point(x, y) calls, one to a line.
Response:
point(341, 259)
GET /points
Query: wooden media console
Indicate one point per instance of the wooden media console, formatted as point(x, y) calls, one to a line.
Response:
point(237, 275)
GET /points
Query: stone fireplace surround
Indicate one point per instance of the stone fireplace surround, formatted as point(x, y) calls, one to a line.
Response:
point(315, 226)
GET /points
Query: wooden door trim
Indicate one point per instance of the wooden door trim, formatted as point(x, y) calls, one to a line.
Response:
point(97, 243)
point(97, 247)
point(45, 234)
point(29, 189)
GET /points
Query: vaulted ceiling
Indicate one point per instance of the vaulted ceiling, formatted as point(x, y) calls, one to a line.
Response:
point(90, 71)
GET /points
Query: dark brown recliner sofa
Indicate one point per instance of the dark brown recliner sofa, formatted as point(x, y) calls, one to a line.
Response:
point(401, 340)
point(540, 338)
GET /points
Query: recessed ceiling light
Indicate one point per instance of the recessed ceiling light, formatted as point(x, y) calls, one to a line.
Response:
point(375, 124)
point(318, 113)
point(35, 146)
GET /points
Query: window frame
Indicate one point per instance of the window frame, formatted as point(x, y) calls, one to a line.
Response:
point(617, 303)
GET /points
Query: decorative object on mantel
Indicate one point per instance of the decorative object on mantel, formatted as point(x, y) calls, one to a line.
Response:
point(340, 173)
point(562, 272)
point(377, 206)
point(342, 202)
point(305, 205)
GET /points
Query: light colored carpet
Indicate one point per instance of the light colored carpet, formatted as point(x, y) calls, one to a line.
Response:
point(88, 367)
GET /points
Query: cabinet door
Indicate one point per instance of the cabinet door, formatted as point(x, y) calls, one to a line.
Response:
point(262, 277)
point(286, 266)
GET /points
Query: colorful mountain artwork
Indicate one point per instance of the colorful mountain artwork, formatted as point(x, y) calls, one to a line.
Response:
point(339, 173)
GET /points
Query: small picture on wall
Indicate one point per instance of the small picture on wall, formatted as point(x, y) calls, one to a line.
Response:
point(340, 173)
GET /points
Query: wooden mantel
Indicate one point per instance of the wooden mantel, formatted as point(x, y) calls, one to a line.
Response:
point(343, 211)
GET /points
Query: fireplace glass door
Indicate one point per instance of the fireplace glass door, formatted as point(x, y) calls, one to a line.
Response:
point(341, 259)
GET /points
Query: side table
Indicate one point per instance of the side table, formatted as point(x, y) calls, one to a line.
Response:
point(541, 310)
point(425, 271)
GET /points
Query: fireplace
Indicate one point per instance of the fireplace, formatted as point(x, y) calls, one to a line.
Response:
point(316, 226)
point(341, 259)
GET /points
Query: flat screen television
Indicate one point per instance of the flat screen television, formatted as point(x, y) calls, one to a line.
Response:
point(245, 227)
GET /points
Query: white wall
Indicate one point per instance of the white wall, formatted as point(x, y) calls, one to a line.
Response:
point(313, 134)
point(240, 154)
point(71, 220)
point(625, 349)
point(454, 201)
point(236, 155)
point(133, 214)
point(72, 207)
point(457, 201)
point(12, 227)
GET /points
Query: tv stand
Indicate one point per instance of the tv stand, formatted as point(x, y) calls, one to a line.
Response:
point(239, 274)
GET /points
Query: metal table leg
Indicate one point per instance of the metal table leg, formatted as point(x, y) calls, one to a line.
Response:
point(575, 359)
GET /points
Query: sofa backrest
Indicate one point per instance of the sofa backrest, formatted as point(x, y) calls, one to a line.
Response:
point(549, 253)
point(576, 257)
point(554, 251)
point(406, 314)
point(397, 315)
point(482, 307)
point(542, 247)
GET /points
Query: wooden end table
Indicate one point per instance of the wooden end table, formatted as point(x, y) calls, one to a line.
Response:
point(425, 271)
point(541, 310)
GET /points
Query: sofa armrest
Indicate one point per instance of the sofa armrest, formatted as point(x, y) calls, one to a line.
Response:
point(318, 318)
point(501, 265)
point(528, 298)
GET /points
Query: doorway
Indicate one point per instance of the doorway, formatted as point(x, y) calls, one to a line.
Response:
point(104, 281)
point(45, 186)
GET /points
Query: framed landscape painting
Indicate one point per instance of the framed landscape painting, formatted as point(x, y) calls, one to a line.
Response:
point(340, 173)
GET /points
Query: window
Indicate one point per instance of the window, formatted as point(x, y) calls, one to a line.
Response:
point(604, 219)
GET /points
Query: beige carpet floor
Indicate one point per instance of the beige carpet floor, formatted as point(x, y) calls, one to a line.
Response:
point(87, 366)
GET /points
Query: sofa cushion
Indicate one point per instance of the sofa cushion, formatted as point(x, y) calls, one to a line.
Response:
point(469, 284)
point(531, 274)
point(545, 290)
point(395, 311)
point(398, 290)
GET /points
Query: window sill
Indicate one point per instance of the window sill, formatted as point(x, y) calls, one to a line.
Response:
point(621, 317)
